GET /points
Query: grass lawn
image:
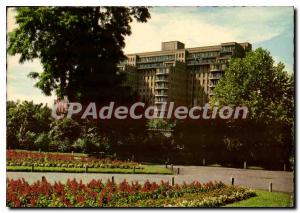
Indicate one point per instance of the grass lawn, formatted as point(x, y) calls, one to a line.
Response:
point(147, 169)
point(265, 199)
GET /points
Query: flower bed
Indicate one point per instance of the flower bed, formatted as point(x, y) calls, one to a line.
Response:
point(98, 194)
point(27, 158)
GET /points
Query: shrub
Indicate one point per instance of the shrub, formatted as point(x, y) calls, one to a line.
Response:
point(42, 141)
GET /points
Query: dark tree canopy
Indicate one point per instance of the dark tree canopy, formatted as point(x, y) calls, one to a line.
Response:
point(79, 48)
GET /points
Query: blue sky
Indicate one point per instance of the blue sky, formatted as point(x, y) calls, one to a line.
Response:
point(269, 27)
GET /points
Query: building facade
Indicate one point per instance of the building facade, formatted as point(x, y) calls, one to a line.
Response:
point(185, 76)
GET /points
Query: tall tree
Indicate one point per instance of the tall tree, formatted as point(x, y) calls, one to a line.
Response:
point(255, 81)
point(267, 90)
point(79, 48)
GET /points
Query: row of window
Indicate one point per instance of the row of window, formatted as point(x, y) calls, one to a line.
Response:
point(204, 54)
point(152, 65)
point(228, 48)
point(131, 60)
point(200, 61)
point(218, 66)
point(163, 71)
point(157, 58)
point(180, 55)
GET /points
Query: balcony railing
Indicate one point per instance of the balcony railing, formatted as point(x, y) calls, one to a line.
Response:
point(215, 69)
point(162, 87)
point(149, 66)
point(160, 102)
point(161, 95)
point(212, 85)
point(161, 80)
point(201, 62)
point(215, 77)
point(159, 59)
point(162, 73)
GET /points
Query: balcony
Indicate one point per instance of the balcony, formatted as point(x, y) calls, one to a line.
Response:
point(226, 51)
point(156, 59)
point(211, 56)
point(150, 66)
point(161, 80)
point(210, 93)
point(161, 87)
point(212, 85)
point(162, 73)
point(214, 77)
point(215, 68)
point(161, 95)
point(160, 102)
point(194, 63)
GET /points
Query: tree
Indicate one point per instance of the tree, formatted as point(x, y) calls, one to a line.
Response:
point(254, 81)
point(79, 48)
point(268, 92)
point(160, 124)
point(63, 133)
point(24, 121)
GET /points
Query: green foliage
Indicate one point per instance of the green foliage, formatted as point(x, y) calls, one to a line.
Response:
point(79, 48)
point(42, 141)
point(160, 124)
point(268, 92)
point(94, 142)
point(188, 142)
point(63, 133)
point(65, 128)
point(24, 121)
point(80, 145)
point(254, 81)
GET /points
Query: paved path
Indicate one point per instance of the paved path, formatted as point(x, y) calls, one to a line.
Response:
point(259, 179)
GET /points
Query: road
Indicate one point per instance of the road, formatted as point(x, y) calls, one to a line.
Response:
point(259, 179)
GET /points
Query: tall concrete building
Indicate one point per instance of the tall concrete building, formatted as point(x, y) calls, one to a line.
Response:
point(185, 76)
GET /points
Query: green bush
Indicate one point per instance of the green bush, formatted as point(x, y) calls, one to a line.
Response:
point(42, 141)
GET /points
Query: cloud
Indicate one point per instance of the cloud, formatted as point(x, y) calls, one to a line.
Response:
point(14, 94)
point(11, 21)
point(190, 29)
point(208, 25)
point(19, 86)
point(36, 99)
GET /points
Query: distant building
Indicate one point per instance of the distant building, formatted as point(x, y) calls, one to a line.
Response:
point(186, 76)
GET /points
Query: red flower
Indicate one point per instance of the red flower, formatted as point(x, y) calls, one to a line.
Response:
point(32, 202)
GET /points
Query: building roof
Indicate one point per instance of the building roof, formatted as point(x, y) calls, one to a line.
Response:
point(190, 50)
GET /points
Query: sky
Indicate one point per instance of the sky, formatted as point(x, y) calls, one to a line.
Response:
point(271, 28)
